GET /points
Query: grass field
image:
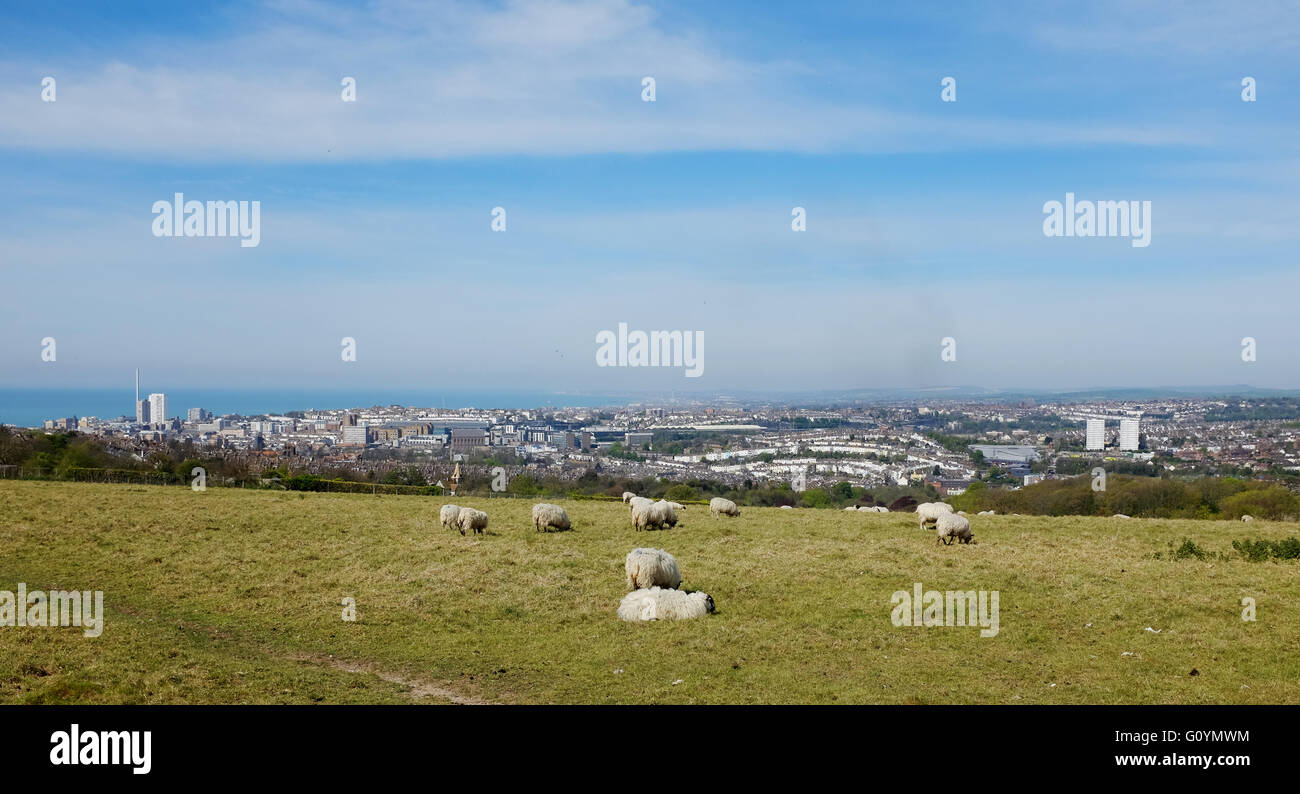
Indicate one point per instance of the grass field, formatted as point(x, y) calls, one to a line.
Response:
point(234, 596)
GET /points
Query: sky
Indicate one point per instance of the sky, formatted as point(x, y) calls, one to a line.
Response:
point(924, 218)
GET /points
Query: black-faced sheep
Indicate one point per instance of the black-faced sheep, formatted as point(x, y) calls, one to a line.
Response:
point(950, 527)
point(657, 603)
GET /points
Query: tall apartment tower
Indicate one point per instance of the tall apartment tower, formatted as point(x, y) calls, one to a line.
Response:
point(157, 408)
point(1096, 434)
point(1129, 431)
point(142, 411)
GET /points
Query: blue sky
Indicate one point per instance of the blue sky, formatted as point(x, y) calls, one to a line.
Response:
point(924, 217)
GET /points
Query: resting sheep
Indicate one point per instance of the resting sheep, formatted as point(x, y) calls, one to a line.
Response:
point(1119, 515)
point(659, 604)
point(783, 507)
point(449, 515)
point(547, 516)
point(627, 495)
point(655, 515)
point(986, 513)
point(719, 506)
point(930, 511)
point(950, 526)
point(470, 518)
point(1247, 518)
point(647, 568)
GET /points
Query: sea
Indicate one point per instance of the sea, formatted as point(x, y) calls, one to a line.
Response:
point(31, 407)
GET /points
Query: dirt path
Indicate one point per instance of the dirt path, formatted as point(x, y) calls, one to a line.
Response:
point(418, 688)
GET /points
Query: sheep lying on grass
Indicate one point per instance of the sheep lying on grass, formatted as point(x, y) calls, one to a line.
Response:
point(722, 507)
point(449, 516)
point(627, 495)
point(658, 603)
point(1119, 515)
point(950, 526)
point(547, 517)
point(655, 515)
point(473, 519)
point(1247, 518)
point(930, 511)
point(986, 513)
point(646, 568)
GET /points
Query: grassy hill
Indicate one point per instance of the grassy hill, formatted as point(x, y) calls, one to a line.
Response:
point(234, 596)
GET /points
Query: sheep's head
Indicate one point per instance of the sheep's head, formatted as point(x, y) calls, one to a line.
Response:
point(709, 606)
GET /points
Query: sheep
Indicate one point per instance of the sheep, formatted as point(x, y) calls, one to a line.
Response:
point(1247, 518)
point(670, 517)
point(783, 507)
point(655, 515)
point(448, 515)
point(470, 518)
point(950, 526)
point(676, 506)
point(719, 506)
point(850, 507)
point(880, 509)
point(962, 513)
point(651, 568)
point(1119, 515)
point(627, 495)
point(638, 500)
point(986, 513)
point(546, 516)
point(930, 511)
point(657, 603)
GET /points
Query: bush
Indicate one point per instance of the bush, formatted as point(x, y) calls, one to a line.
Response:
point(1261, 550)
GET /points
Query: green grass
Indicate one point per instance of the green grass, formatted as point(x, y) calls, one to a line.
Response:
point(233, 596)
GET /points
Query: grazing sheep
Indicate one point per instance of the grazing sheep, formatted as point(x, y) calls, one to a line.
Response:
point(449, 515)
point(657, 603)
point(719, 506)
point(950, 526)
point(647, 568)
point(638, 500)
point(470, 518)
point(547, 516)
point(655, 515)
point(986, 513)
point(930, 511)
point(1120, 515)
point(627, 495)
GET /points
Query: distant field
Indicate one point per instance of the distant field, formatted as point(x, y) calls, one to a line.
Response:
point(233, 596)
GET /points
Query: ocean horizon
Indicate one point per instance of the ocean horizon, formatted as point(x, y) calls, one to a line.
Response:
point(31, 407)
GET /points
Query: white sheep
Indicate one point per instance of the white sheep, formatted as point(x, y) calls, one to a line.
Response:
point(850, 507)
point(930, 511)
point(651, 568)
point(880, 509)
point(950, 526)
point(546, 516)
point(470, 518)
point(676, 506)
point(1247, 518)
point(719, 506)
point(638, 500)
point(783, 507)
point(1119, 515)
point(655, 515)
point(986, 513)
point(657, 603)
point(449, 515)
point(627, 495)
